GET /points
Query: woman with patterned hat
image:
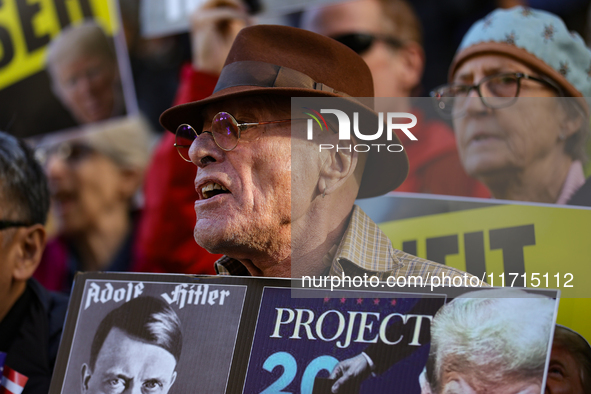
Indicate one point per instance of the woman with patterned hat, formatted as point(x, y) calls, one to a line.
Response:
point(516, 95)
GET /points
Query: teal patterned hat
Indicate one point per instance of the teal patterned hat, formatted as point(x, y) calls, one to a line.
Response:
point(536, 38)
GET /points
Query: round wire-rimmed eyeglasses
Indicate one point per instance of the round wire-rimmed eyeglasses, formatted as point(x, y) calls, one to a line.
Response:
point(225, 130)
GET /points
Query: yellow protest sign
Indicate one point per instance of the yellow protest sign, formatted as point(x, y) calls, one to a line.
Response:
point(519, 245)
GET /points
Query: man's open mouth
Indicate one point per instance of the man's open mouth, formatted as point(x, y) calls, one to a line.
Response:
point(212, 189)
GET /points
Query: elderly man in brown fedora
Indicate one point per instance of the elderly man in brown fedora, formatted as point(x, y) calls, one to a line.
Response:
point(267, 198)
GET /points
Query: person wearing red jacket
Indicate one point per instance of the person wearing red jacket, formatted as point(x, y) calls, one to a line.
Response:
point(166, 225)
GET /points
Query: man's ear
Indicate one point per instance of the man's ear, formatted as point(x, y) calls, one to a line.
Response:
point(85, 375)
point(30, 243)
point(337, 168)
point(173, 378)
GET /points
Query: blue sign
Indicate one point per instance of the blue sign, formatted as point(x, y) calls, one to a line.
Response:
point(299, 339)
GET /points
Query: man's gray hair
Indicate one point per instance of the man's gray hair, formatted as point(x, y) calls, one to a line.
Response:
point(24, 195)
point(495, 335)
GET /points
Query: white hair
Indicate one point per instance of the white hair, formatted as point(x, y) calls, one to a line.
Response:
point(495, 334)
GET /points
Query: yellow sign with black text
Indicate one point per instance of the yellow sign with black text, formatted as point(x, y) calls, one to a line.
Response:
point(511, 245)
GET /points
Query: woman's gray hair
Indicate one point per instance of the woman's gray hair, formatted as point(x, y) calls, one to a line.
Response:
point(494, 334)
point(126, 141)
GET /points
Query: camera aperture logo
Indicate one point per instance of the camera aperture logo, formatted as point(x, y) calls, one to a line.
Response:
point(344, 129)
point(315, 116)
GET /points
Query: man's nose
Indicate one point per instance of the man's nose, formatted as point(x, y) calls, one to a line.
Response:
point(205, 151)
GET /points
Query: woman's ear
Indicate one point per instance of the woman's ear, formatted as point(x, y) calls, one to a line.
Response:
point(572, 119)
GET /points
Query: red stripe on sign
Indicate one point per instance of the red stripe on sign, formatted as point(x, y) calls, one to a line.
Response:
point(15, 377)
point(9, 387)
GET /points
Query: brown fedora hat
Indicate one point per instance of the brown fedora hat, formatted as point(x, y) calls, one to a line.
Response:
point(282, 60)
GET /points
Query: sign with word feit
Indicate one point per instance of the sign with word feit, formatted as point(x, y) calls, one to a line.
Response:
point(63, 64)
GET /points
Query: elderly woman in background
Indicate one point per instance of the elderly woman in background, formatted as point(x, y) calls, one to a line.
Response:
point(94, 178)
point(526, 149)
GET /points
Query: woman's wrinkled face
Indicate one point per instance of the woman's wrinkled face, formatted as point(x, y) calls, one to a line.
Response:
point(502, 141)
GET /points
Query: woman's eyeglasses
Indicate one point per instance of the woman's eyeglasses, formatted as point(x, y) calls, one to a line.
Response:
point(69, 151)
point(225, 130)
point(362, 42)
point(495, 91)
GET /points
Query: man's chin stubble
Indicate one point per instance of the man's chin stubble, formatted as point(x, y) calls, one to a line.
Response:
point(239, 243)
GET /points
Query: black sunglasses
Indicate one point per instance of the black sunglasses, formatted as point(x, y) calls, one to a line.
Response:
point(4, 224)
point(362, 42)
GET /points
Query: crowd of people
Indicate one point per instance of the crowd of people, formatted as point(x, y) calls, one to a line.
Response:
point(249, 194)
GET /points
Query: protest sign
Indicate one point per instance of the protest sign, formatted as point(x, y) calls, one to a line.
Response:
point(253, 335)
point(62, 65)
point(165, 17)
point(507, 244)
point(209, 315)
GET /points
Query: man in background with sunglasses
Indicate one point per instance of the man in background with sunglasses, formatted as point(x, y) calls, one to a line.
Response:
point(267, 198)
point(387, 35)
point(31, 319)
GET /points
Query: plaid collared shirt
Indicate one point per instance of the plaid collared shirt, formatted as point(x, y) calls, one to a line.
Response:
point(364, 249)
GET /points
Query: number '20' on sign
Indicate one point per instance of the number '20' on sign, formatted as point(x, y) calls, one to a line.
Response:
point(290, 369)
